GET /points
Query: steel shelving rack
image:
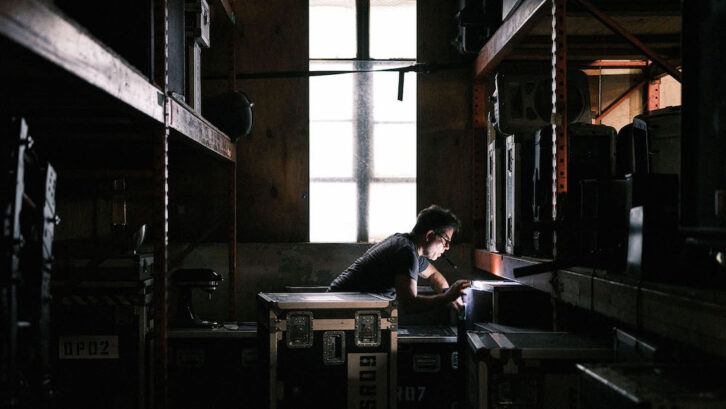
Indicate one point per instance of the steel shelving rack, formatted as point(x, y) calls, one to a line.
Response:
point(578, 31)
point(65, 78)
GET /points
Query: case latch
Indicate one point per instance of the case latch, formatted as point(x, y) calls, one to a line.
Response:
point(333, 347)
point(367, 328)
point(300, 329)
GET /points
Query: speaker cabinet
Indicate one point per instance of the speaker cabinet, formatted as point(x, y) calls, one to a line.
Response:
point(523, 99)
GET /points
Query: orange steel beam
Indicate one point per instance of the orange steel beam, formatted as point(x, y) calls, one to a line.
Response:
point(654, 95)
point(620, 100)
point(618, 64)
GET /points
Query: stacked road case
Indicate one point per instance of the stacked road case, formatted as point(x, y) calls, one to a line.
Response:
point(528, 370)
point(213, 367)
point(508, 303)
point(101, 343)
point(328, 350)
point(428, 368)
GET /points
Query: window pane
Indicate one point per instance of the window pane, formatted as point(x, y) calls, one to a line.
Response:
point(387, 107)
point(394, 150)
point(331, 96)
point(332, 29)
point(331, 149)
point(392, 209)
point(393, 29)
point(333, 212)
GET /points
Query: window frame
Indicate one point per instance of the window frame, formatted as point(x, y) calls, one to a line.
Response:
point(363, 121)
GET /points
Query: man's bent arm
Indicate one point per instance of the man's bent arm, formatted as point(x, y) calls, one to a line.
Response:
point(435, 278)
point(410, 301)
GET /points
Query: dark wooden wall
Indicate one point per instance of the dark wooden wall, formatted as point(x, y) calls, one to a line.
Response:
point(444, 116)
point(272, 163)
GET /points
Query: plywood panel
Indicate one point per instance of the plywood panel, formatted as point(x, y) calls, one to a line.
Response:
point(444, 118)
point(272, 162)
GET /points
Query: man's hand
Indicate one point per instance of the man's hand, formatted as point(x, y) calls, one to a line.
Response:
point(457, 304)
point(454, 293)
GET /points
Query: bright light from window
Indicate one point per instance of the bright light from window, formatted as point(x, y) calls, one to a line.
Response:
point(394, 150)
point(393, 29)
point(356, 116)
point(392, 209)
point(386, 106)
point(331, 149)
point(331, 96)
point(333, 212)
point(332, 29)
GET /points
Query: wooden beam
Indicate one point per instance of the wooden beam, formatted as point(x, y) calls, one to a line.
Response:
point(694, 317)
point(504, 266)
point(197, 129)
point(42, 31)
point(509, 34)
point(233, 273)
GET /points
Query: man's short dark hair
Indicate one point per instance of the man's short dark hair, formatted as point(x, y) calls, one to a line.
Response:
point(436, 218)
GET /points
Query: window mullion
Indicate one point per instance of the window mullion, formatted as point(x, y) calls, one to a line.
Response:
point(362, 19)
point(363, 127)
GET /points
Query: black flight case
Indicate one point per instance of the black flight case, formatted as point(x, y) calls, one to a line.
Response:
point(328, 350)
point(528, 370)
point(428, 367)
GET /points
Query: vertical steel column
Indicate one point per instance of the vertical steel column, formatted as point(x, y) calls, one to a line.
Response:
point(479, 159)
point(160, 225)
point(160, 231)
point(233, 277)
point(559, 114)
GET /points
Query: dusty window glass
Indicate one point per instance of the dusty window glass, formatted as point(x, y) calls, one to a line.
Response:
point(362, 137)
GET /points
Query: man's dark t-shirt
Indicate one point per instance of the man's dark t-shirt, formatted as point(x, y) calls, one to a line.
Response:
point(375, 271)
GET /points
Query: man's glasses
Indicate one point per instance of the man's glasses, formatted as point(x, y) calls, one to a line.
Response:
point(447, 241)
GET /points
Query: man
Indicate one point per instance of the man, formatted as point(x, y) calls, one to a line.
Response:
point(392, 267)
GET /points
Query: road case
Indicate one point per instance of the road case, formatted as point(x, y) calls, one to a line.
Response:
point(652, 386)
point(519, 188)
point(495, 194)
point(101, 344)
point(435, 317)
point(328, 350)
point(590, 156)
point(428, 367)
point(663, 135)
point(528, 370)
point(508, 303)
point(213, 368)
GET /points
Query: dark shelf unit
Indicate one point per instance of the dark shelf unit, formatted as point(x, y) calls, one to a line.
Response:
point(81, 96)
point(691, 316)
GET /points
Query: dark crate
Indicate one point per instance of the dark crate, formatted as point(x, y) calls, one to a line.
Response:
point(101, 344)
point(507, 303)
point(327, 350)
point(534, 370)
point(440, 316)
point(428, 367)
point(213, 367)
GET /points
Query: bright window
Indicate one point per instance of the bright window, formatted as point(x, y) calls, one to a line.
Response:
point(362, 138)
